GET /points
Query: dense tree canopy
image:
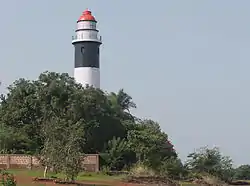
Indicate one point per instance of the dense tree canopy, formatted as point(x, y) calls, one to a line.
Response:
point(59, 120)
point(31, 107)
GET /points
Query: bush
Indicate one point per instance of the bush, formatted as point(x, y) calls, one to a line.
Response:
point(173, 168)
point(140, 169)
point(207, 179)
point(211, 161)
point(7, 179)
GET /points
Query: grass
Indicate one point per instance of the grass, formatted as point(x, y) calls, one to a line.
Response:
point(187, 184)
point(81, 177)
point(31, 185)
point(92, 177)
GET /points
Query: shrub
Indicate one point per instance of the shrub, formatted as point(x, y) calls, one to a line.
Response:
point(173, 168)
point(7, 179)
point(140, 169)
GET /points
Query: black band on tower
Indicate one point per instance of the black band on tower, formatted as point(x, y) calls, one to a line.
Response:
point(87, 54)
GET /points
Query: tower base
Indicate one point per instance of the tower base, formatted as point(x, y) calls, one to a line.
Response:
point(87, 75)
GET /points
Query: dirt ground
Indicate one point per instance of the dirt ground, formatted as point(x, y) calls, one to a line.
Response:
point(28, 181)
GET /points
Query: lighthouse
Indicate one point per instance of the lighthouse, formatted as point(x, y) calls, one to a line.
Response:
point(87, 43)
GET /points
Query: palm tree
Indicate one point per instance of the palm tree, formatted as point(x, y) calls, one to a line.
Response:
point(122, 101)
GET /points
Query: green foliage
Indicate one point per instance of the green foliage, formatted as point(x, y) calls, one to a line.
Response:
point(211, 161)
point(149, 143)
point(173, 168)
point(242, 172)
point(117, 154)
point(58, 120)
point(121, 104)
point(7, 179)
point(62, 147)
point(141, 170)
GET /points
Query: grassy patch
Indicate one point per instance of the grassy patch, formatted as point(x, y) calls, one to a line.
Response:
point(187, 184)
point(84, 176)
point(31, 185)
point(81, 177)
point(97, 177)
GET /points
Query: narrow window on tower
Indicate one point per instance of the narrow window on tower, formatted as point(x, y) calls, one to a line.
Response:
point(82, 50)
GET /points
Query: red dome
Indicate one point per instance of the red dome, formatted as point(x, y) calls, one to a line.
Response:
point(86, 16)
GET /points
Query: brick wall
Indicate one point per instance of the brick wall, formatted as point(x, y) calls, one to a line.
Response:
point(14, 161)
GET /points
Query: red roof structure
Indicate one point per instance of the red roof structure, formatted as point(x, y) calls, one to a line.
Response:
point(87, 16)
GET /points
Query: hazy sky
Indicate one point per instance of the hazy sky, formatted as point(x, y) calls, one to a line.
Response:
point(185, 63)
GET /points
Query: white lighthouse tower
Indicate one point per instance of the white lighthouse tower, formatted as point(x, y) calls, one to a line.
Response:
point(87, 53)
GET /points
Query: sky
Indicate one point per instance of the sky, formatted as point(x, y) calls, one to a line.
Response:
point(185, 63)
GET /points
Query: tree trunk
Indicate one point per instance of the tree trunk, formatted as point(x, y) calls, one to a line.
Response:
point(45, 171)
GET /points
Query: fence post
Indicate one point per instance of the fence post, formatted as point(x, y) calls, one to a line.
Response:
point(30, 163)
point(8, 161)
point(97, 163)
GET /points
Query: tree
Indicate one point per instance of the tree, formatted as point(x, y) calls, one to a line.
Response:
point(44, 117)
point(13, 141)
point(242, 172)
point(5, 139)
point(149, 143)
point(62, 147)
point(101, 124)
point(173, 168)
point(19, 111)
point(29, 104)
point(210, 161)
point(121, 104)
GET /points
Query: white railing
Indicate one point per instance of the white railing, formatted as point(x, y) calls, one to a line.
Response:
point(83, 37)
